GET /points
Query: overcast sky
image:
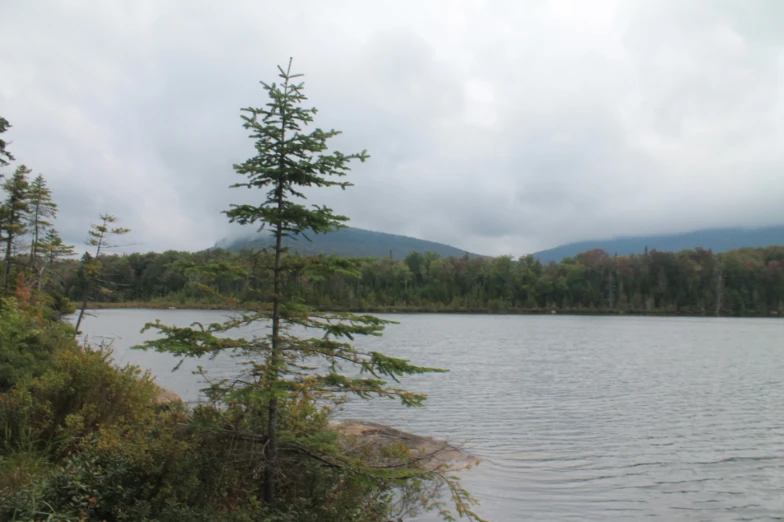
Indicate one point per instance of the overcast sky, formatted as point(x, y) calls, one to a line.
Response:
point(495, 126)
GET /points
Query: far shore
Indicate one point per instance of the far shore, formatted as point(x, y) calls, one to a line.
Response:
point(407, 309)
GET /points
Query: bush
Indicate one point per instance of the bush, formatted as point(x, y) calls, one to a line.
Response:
point(80, 393)
point(106, 451)
point(27, 342)
point(81, 439)
point(181, 465)
point(85, 441)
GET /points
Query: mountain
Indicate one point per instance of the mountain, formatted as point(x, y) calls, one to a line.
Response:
point(348, 242)
point(718, 240)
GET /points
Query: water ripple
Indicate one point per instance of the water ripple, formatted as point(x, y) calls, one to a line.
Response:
point(578, 418)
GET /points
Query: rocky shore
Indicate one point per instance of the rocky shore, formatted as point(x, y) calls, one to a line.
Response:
point(433, 452)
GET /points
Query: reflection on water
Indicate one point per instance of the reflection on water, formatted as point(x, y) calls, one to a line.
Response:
point(575, 418)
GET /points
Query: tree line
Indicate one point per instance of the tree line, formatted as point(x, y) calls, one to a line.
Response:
point(745, 282)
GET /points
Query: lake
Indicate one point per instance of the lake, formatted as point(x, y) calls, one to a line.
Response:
point(574, 418)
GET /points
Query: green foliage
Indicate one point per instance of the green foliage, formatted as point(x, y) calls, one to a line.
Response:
point(16, 206)
point(284, 394)
point(752, 282)
point(14, 213)
point(27, 342)
point(111, 454)
point(26, 215)
point(80, 393)
point(53, 247)
point(84, 441)
point(81, 439)
point(43, 210)
point(5, 156)
point(287, 161)
point(99, 236)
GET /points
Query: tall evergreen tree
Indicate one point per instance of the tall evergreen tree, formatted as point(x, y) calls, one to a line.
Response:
point(5, 156)
point(43, 209)
point(286, 161)
point(282, 374)
point(13, 216)
point(99, 236)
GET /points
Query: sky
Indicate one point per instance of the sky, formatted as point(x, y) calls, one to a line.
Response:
point(499, 127)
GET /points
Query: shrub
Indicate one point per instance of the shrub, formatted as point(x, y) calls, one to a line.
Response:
point(80, 393)
point(27, 342)
point(81, 439)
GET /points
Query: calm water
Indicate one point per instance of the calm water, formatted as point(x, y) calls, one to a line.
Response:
point(575, 418)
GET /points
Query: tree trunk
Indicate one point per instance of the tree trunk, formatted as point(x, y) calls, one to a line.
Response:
point(9, 249)
point(89, 285)
point(34, 246)
point(271, 449)
point(83, 307)
point(41, 271)
point(7, 275)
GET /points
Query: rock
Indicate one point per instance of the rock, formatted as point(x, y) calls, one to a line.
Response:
point(165, 396)
point(436, 452)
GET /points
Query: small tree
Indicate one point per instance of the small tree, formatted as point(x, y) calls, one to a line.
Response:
point(52, 249)
point(99, 237)
point(13, 216)
point(283, 375)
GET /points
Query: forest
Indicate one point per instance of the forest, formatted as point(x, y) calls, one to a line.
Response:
point(745, 282)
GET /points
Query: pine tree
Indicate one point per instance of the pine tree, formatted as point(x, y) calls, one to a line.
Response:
point(42, 210)
point(52, 248)
point(99, 237)
point(13, 216)
point(5, 156)
point(282, 373)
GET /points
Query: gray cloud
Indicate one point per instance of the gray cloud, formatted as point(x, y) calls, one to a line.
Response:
point(499, 127)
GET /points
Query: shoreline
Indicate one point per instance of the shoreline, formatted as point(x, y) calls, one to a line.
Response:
point(428, 310)
point(433, 452)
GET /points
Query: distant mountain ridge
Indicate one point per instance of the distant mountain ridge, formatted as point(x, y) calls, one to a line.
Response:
point(718, 240)
point(348, 242)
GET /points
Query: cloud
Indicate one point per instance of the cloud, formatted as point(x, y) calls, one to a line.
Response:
point(496, 126)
